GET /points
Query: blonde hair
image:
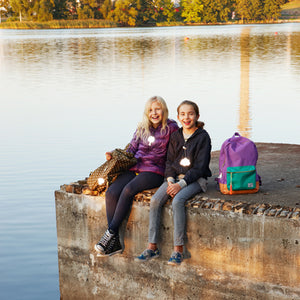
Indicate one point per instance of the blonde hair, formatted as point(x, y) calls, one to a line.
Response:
point(143, 128)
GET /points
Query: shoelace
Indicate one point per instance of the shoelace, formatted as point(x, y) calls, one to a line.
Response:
point(147, 253)
point(106, 238)
point(176, 255)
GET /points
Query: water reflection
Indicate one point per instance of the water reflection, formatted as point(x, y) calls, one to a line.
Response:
point(104, 49)
point(212, 67)
point(244, 114)
point(294, 49)
point(68, 96)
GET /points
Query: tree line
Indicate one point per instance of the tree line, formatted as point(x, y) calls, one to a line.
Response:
point(143, 12)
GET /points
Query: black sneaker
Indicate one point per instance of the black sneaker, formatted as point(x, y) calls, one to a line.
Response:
point(114, 247)
point(102, 245)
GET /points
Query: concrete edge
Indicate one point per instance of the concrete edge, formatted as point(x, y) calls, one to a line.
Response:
point(201, 201)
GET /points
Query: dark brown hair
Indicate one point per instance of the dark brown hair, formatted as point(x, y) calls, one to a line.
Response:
point(196, 109)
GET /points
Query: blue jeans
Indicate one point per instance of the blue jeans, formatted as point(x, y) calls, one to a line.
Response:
point(120, 194)
point(178, 206)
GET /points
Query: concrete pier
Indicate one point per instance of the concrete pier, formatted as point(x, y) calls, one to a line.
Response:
point(237, 247)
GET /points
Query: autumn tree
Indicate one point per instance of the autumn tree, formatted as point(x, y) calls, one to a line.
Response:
point(42, 10)
point(5, 8)
point(168, 11)
point(242, 10)
point(249, 9)
point(86, 9)
point(255, 10)
point(216, 10)
point(272, 9)
point(106, 9)
point(20, 7)
point(192, 10)
point(60, 10)
point(124, 13)
point(145, 11)
point(155, 11)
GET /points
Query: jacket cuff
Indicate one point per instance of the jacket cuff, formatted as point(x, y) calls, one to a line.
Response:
point(203, 183)
point(171, 179)
point(182, 183)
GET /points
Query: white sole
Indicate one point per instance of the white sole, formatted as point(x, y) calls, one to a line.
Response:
point(144, 260)
point(98, 250)
point(110, 254)
point(174, 263)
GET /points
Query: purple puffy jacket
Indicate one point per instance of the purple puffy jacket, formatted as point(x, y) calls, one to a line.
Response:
point(151, 157)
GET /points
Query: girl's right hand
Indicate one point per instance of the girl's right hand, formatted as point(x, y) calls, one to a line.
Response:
point(108, 155)
point(173, 189)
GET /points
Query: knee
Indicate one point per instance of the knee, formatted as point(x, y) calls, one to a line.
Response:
point(128, 191)
point(111, 194)
point(154, 203)
point(177, 203)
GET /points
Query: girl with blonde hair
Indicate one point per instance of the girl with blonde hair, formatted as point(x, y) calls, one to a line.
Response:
point(143, 129)
point(149, 146)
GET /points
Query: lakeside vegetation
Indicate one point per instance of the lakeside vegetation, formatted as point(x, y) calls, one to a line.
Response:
point(292, 4)
point(291, 10)
point(54, 14)
point(58, 24)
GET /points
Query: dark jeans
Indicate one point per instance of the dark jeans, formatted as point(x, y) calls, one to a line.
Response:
point(120, 194)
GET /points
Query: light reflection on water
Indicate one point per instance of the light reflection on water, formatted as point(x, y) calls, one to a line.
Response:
point(67, 96)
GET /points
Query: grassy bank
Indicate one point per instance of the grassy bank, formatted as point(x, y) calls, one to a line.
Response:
point(292, 4)
point(239, 22)
point(75, 24)
point(291, 10)
point(59, 24)
point(290, 13)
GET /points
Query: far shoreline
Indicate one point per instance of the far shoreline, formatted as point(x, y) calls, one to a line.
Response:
point(94, 24)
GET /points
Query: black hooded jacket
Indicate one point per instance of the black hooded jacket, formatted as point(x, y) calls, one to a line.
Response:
point(198, 148)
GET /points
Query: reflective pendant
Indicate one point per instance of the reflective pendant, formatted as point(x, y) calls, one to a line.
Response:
point(101, 181)
point(185, 162)
point(151, 139)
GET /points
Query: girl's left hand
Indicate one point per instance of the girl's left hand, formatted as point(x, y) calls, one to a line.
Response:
point(108, 155)
point(173, 189)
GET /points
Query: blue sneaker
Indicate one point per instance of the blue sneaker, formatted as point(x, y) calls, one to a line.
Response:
point(175, 259)
point(147, 255)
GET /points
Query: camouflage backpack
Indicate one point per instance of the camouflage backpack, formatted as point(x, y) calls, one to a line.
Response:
point(103, 176)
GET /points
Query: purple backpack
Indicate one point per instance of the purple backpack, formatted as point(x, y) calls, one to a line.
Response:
point(237, 166)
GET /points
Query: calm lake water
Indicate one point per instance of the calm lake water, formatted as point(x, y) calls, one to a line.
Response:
point(67, 96)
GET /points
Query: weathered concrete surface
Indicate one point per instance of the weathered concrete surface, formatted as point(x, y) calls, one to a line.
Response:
point(236, 247)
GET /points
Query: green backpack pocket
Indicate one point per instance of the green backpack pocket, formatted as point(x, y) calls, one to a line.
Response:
point(241, 178)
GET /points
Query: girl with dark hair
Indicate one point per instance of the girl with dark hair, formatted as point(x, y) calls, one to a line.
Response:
point(187, 169)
